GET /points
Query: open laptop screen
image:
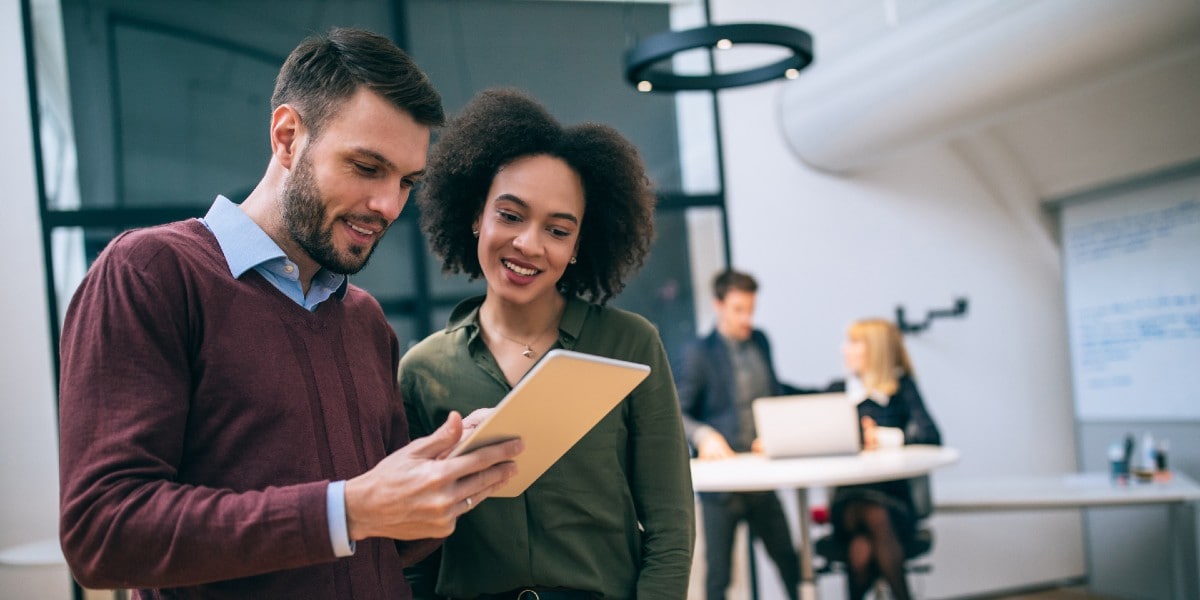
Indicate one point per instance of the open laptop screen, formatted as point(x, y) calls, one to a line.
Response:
point(807, 425)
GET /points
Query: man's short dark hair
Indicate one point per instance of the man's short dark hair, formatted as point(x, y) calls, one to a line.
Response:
point(325, 71)
point(733, 280)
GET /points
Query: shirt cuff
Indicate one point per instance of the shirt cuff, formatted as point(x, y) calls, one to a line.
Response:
point(335, 505)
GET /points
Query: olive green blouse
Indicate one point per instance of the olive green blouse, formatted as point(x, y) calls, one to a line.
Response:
point(613, 516)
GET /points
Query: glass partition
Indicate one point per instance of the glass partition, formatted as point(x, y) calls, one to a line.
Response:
point(149, 109)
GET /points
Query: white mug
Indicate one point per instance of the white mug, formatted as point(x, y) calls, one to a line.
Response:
point(889, 437)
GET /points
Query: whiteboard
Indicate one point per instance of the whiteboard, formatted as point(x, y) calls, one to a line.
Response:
point(1131, 270)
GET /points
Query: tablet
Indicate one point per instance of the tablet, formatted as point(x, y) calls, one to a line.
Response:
point(558, 401)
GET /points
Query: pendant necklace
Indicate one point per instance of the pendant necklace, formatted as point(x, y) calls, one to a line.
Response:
point(528, 352)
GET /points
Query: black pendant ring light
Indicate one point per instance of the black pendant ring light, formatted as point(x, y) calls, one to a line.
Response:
point(641, 58)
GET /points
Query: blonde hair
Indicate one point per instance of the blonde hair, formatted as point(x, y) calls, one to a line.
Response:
point(886, 358)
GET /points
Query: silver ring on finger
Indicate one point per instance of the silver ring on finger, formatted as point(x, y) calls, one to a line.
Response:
point(470, 502)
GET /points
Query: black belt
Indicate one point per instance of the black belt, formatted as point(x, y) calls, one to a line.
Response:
point(540, 594)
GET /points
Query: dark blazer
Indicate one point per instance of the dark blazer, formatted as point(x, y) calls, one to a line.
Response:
point(905, 410)
point(707, 388)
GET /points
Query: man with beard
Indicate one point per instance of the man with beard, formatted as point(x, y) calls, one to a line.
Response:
point(230, 424)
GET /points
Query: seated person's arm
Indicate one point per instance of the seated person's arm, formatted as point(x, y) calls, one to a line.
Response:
point(920, 428)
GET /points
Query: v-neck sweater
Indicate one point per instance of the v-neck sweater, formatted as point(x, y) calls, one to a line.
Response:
point(202, 418)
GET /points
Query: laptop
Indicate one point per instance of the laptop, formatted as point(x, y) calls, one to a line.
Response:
point(807, 425)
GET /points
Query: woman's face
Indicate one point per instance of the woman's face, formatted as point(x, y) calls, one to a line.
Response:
point(854, 354)
point(529, 228)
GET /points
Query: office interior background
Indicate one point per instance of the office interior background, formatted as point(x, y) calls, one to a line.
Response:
point(926, 155)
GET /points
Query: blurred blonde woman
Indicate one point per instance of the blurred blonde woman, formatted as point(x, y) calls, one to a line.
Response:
point(876, 521)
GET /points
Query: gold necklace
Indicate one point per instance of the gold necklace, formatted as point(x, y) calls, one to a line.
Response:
point(528, 352)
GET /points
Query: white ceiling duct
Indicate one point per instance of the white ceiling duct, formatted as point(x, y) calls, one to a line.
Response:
point(967, 65)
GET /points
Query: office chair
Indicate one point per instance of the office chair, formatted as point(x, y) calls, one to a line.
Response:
point(833, 550)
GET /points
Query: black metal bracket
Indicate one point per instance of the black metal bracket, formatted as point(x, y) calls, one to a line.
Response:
point(959, 309)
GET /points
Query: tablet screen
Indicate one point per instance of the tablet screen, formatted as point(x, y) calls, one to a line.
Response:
point(552, 407)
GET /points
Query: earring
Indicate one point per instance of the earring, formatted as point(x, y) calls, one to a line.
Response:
point(572, 261)
point(475, 232)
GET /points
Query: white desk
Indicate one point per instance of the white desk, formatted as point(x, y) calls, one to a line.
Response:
point(45, 553)
point(1181, 494)
point(1072, 490)
point(751, 473)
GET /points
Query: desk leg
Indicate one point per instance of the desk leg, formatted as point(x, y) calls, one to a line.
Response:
point(1185, 554)
point(808, 582)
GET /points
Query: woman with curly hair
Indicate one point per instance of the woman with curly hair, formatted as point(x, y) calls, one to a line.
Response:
point(554, 219)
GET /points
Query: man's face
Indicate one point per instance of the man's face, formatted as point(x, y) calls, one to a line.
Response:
point(735, 315)
point(349, 184)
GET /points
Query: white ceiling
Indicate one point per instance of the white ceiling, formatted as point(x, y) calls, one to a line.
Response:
point(1078, 92)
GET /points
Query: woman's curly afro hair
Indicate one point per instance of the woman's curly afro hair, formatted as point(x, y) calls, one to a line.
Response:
point(499, 126)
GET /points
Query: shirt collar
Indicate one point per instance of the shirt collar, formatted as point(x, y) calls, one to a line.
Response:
point(246, 246)
point(466, 314)
point(730, 342)
point(857, 393)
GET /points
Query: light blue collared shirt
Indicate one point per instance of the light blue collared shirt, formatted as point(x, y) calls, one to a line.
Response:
point(246, 246)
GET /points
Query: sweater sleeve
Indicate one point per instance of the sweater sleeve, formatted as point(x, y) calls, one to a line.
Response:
point(125, 391)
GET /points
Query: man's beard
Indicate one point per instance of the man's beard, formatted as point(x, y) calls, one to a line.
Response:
point(304, 213)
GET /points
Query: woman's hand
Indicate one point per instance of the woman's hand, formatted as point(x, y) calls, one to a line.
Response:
point(470, 423)
point(869, 434)
point(475, 419)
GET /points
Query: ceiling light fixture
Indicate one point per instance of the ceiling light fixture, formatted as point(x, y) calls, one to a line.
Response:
point(641, 58)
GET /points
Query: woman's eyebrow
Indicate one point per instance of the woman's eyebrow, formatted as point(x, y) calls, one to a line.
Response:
point(515, 200)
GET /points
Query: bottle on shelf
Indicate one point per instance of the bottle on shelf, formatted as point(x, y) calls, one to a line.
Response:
point(1118, 466)
point(1146, 463)
point(1161, 471)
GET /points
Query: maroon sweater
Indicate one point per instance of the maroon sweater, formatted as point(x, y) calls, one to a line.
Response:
point(201, 419)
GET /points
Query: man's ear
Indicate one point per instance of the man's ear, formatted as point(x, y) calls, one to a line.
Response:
point(287, 133)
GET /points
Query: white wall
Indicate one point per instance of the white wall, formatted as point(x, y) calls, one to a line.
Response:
point(918, 230)
point(958, 214)
point(28, 434)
